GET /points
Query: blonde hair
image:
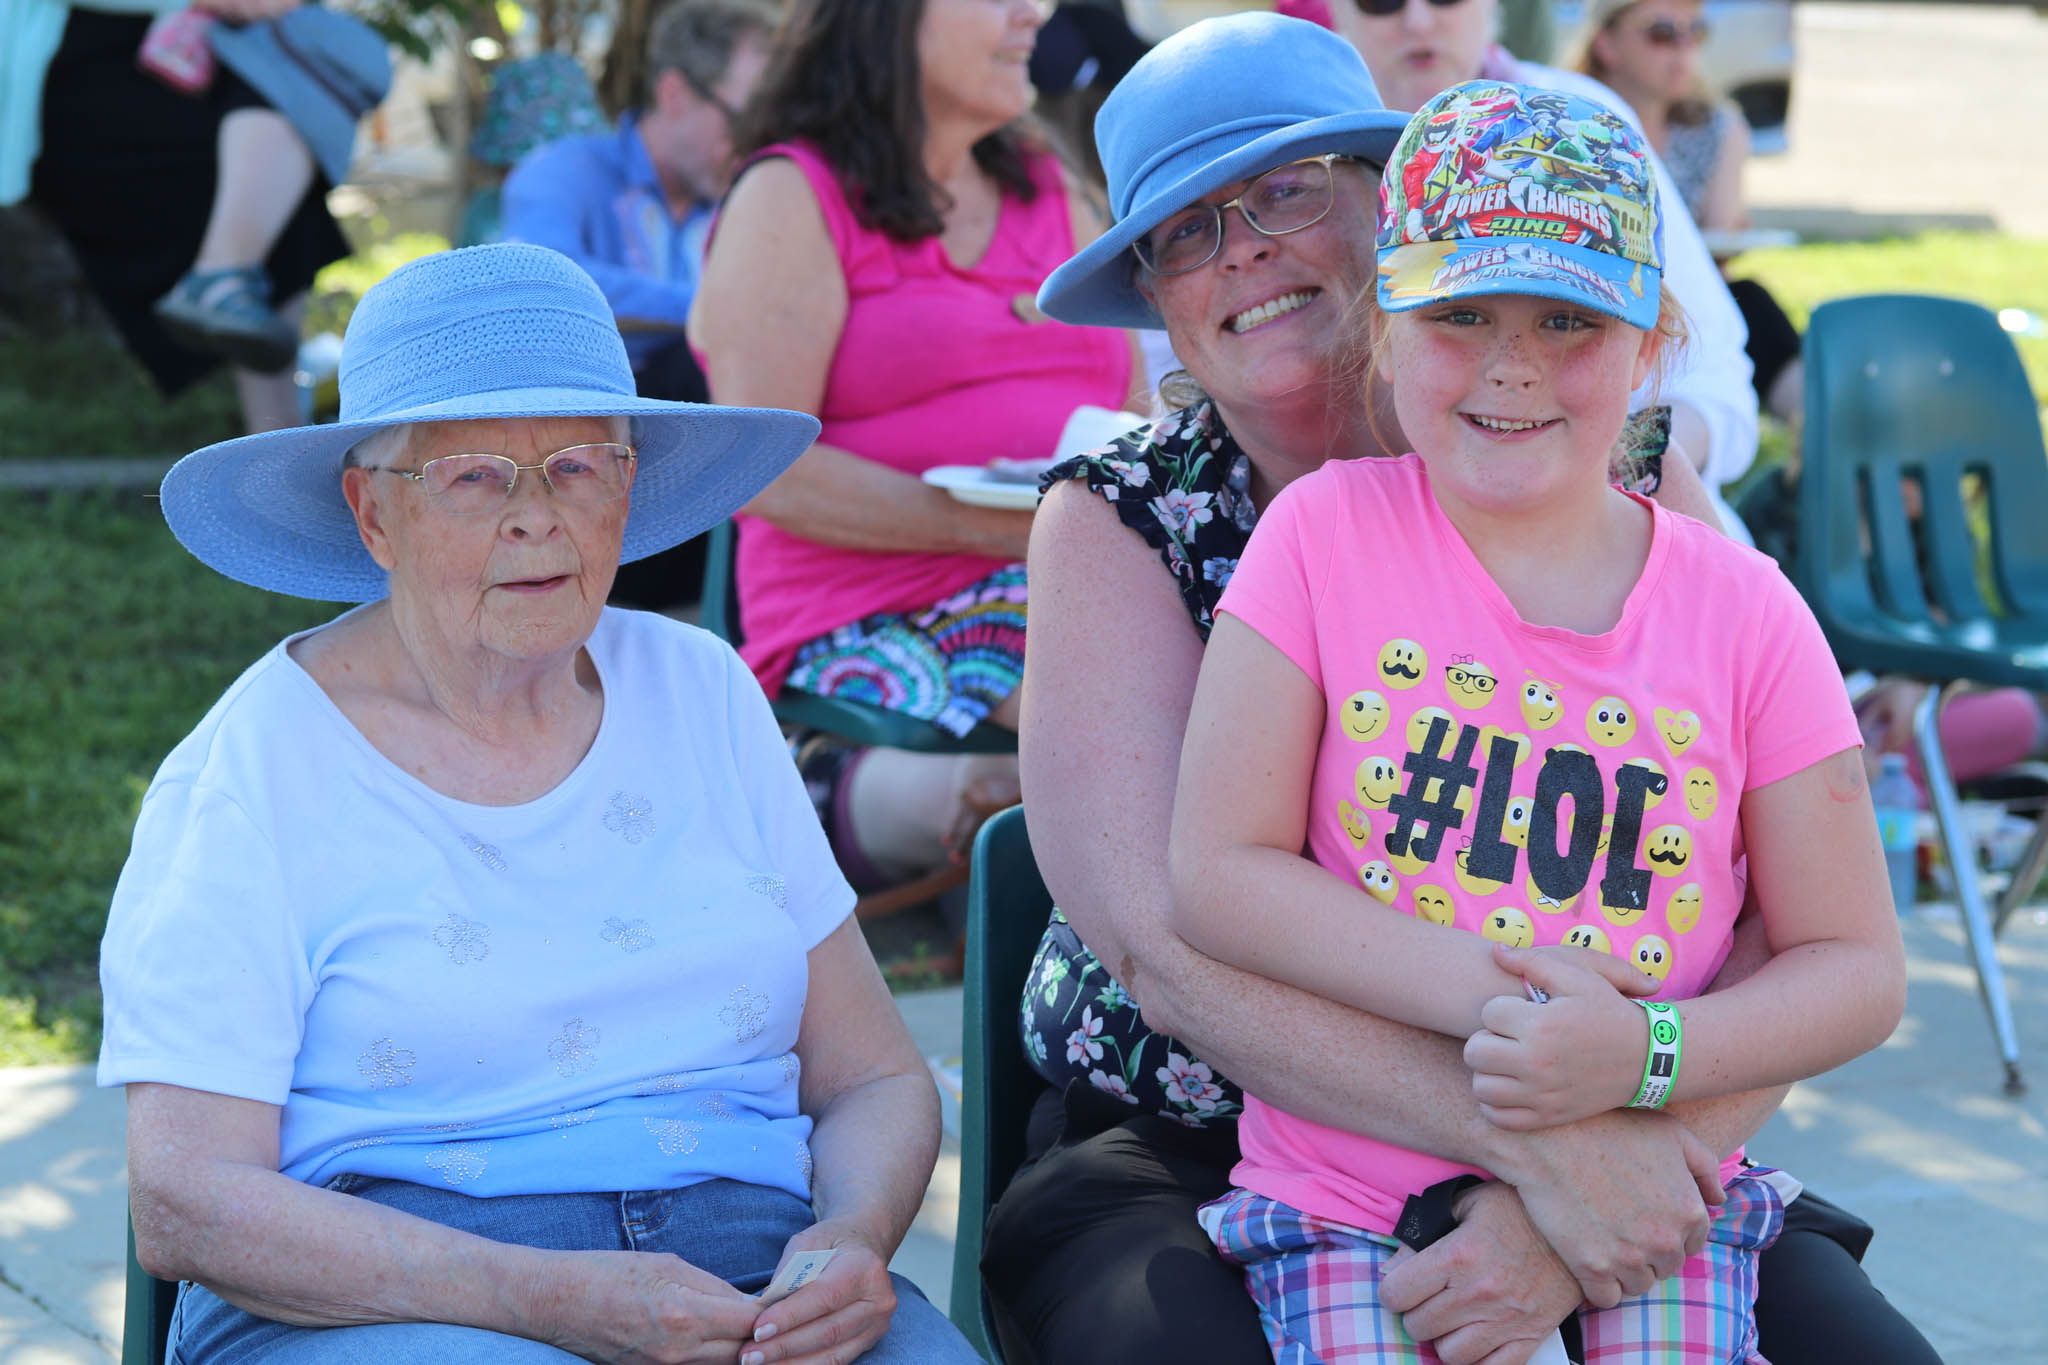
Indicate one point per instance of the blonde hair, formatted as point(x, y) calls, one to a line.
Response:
point(1691, 110)
point(1624, 462)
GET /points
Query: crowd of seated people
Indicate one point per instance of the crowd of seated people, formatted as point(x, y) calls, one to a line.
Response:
point(1426, 485)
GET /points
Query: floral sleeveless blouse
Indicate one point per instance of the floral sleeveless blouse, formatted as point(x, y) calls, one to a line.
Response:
point(1184, 484)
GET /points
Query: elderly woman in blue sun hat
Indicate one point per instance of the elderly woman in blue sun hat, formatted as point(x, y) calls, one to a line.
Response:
point(482, 983)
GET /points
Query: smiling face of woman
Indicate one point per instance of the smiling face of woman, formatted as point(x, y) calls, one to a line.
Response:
point(973, 59)
point(1267, 317)
point(523, 581)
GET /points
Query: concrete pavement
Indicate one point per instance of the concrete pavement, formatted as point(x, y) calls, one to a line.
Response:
point(1916, 1137)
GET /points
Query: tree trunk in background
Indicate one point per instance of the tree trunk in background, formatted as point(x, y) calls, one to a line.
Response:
point(621, 86)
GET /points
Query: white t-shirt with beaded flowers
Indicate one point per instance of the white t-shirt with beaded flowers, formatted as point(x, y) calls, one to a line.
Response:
point(596, 990)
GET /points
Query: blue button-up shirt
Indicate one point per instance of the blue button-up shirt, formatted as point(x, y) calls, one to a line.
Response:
point(597, 200)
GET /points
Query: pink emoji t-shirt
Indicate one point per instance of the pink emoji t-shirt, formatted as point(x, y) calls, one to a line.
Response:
point(1524, 782)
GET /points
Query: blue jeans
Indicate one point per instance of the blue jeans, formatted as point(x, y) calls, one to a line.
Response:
point(734, 1231)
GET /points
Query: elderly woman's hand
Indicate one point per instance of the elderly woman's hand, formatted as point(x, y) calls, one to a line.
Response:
point(1488, 1292)
point(836, 1317)
point(641, 1308)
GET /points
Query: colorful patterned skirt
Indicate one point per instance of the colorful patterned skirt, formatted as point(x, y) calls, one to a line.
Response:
point(950, 664)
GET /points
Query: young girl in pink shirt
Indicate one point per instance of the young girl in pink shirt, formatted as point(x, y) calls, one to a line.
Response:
point(1479, 689)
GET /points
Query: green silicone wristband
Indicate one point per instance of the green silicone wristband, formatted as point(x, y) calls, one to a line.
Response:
point(1660, 1064)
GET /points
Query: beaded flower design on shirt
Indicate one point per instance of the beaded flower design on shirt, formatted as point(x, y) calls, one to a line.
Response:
point(487, 854)
point(463, 938)
point(745, 1013)
point(575, 1051)
point(630, 817)
point(773, 887)
point(675, 1137)
point(630, 934)
point(460, 1162)
point(387, 1064)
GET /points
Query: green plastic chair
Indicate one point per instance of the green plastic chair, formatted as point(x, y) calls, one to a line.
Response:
point(854, 720)
point(146, 1318)
point(1905, 388)
point(1007, 906)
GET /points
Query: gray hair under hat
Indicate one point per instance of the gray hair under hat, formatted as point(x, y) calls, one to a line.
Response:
point(1219, 102)
point(502, 331)
point(323, 70)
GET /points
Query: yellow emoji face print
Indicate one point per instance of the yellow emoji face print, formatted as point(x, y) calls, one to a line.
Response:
point(1434, 904)
point(1621, 915)
point(1514, 825)
point(1682, 911)
point(1418, 728)
point(1379, 881)
point(1587, 936)
point(1669, 850)
point(1701, 793)
point(1478, 886)
point(1650, 796)
point(1402, 664)
point(1356, 826)
point(1364, 715)
point(1469, 682)
point(1506, 924)
point(1377, 781)
point(1548, 905)
point(1540, 706)
point(1489, 733)
point(1610, 721)
point(1678, 729)
point(1652, 957)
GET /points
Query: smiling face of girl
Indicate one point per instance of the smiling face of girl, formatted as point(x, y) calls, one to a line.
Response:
point(1514, 402)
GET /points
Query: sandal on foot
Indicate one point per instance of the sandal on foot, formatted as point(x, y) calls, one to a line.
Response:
point(227, 313)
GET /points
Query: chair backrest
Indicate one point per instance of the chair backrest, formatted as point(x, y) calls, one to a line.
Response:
point(720, 612)
point(1007, 907)
point(1906, 389)
point(146, 1320)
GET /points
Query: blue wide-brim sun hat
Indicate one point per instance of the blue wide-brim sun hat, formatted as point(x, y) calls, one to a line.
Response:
point(502, 331)
point(1221, 101)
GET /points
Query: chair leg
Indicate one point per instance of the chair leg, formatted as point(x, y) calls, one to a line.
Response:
point(1962, 861)
point(2026, 876)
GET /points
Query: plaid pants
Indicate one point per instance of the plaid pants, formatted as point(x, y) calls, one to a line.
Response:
point(1317, 1282)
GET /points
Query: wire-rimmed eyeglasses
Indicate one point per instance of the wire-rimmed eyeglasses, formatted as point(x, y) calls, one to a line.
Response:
point(469, 484)
point(1283, 200)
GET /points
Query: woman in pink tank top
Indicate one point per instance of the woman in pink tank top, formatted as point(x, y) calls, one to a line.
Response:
point(875, 264)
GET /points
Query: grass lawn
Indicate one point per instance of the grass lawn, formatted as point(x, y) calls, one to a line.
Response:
point(118, 641)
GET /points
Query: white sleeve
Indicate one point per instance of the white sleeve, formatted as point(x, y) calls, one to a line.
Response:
point(203, 969)
point(1711, 373)
point(818, 897)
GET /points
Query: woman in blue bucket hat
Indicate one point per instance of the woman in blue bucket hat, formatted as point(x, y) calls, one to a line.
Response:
point(482, 983)
point(1255, 255)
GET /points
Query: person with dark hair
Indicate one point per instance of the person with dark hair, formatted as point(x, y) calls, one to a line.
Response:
point(189, 176)
point(875, 264)
point(633, 207)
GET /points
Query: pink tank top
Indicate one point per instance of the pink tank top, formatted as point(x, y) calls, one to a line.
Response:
point(936, 365)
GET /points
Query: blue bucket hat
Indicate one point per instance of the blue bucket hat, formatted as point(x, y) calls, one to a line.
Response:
point(503, 331)
point(322, 69)
point(1219, 102)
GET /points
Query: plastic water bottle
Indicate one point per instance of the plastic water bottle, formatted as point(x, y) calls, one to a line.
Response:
point(1898, 811)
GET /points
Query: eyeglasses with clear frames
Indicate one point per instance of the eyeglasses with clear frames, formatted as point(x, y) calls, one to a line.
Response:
point(1283, 200)
point(467, 484)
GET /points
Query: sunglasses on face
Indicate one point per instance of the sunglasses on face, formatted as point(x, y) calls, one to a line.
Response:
point(1382, 8)
point(1671, 33)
